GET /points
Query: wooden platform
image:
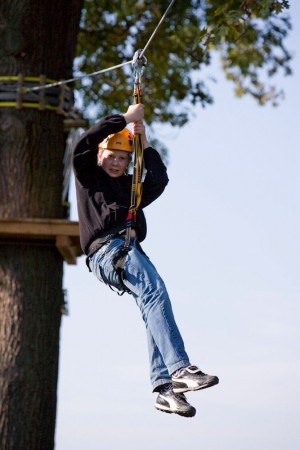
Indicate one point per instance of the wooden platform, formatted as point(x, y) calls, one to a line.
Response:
point(64, 233)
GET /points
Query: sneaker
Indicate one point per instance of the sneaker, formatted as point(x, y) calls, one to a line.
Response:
point(192, 379)
point(169, 402)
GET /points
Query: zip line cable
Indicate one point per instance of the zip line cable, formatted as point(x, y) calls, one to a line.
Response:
point(154, 32)
point(59, 83)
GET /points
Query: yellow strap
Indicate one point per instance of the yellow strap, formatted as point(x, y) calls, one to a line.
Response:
point(138, 166)
point(30, 79)
point(138, 156)
point(27, 105)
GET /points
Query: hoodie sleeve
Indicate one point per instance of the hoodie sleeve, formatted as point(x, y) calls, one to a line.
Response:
point(86, 149)
point(156, 178)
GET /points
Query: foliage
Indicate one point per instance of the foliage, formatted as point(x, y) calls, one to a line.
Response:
point(249, 35)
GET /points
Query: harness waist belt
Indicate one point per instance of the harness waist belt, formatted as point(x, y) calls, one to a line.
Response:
point(97, 243)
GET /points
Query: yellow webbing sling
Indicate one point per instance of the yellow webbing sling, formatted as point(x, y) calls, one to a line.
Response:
point(138, 164)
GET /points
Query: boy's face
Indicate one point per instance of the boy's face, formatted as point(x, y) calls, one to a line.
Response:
point(114, 162)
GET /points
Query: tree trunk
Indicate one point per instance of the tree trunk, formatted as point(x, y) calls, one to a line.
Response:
point(36, 37)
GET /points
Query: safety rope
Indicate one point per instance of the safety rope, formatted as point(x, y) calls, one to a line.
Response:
point(138, 65)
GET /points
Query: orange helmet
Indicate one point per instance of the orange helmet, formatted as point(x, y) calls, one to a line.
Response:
point(118, 141)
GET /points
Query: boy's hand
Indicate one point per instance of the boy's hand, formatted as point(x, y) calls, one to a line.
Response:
point(139, 128)
point(134, 113)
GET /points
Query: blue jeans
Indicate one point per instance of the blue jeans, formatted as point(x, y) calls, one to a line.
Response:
point(165, 344)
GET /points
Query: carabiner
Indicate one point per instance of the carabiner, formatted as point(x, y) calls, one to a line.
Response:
point(138, 65)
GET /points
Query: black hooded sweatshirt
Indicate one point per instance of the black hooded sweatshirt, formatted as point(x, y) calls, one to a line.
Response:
point(102, 201)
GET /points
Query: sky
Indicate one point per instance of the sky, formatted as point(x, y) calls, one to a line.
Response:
point(225, 238)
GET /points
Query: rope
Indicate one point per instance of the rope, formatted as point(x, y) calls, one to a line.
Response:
point(138, 168)
point(136, 188)
point(155, 31)
point(71, 80)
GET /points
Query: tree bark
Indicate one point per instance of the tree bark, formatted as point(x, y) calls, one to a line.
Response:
point(30, 305)
point(36, 37)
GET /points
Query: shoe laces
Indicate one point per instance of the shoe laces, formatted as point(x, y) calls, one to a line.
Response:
point(193, 369)
point(169, 390)
point(166, 389)
point(178, 372)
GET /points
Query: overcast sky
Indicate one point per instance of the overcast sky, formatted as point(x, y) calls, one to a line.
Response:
point(225, 238)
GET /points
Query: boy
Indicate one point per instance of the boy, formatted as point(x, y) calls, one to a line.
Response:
point(103, 198)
